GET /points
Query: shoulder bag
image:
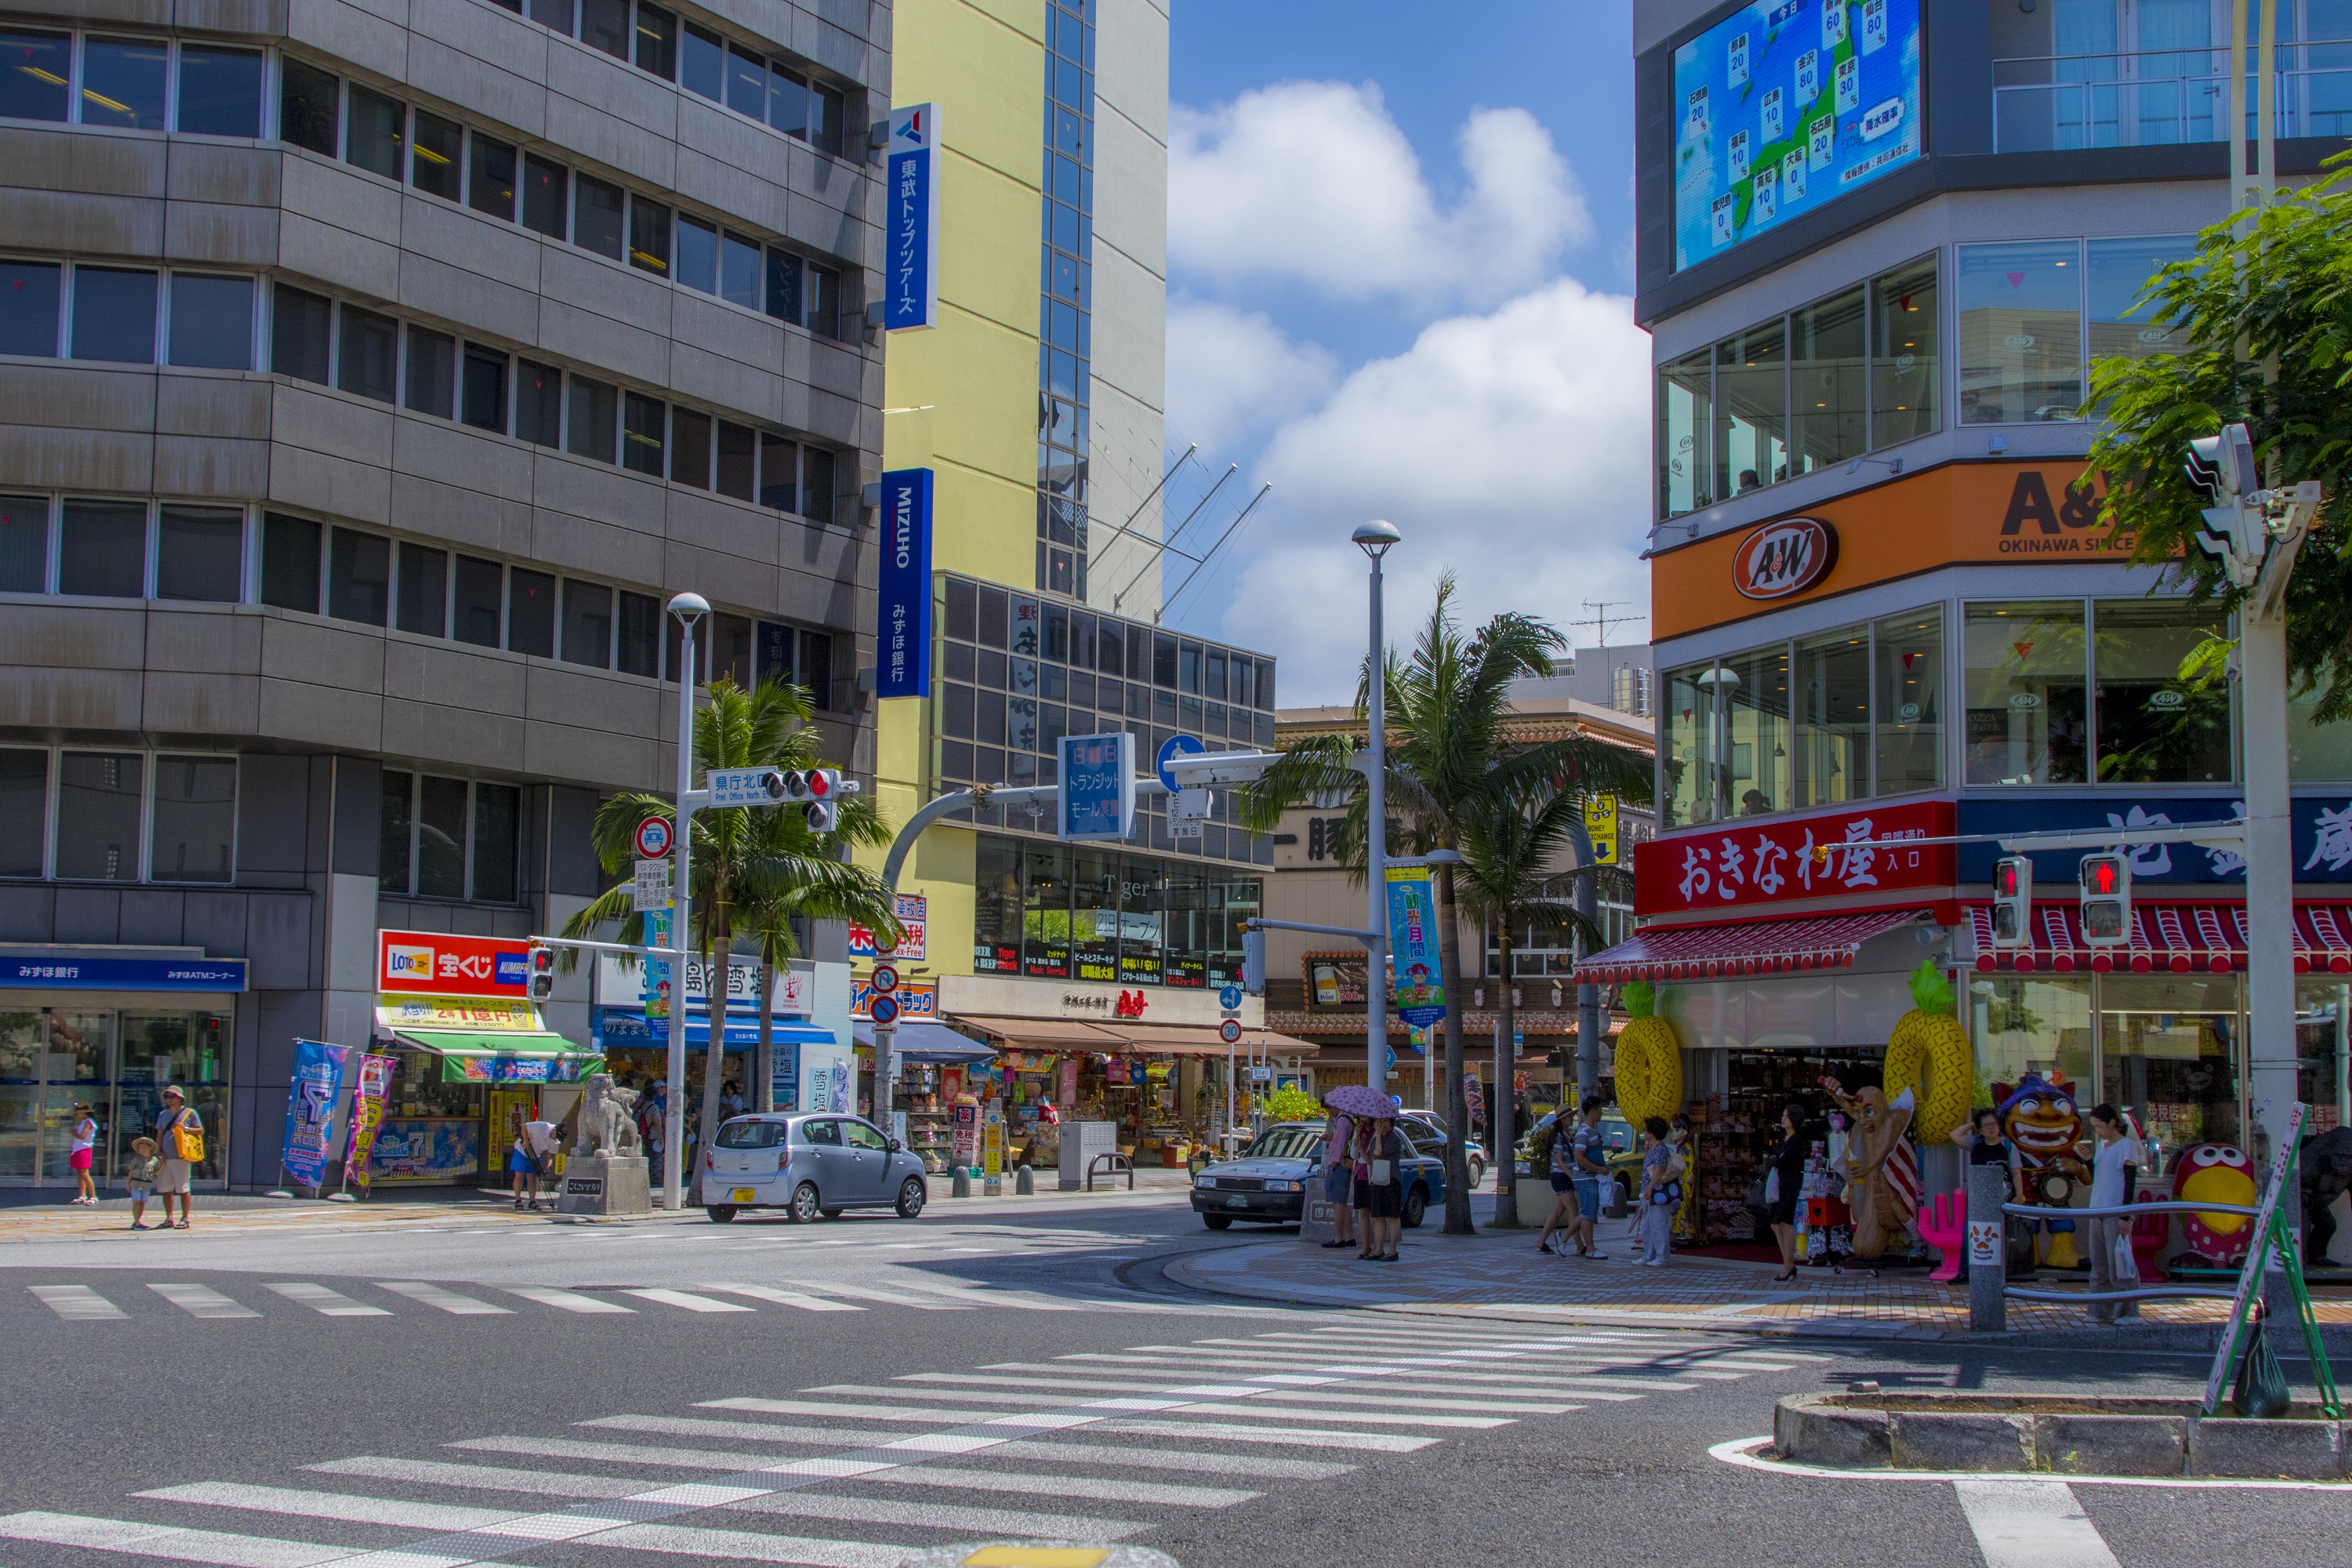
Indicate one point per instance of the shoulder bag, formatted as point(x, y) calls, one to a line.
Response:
point(187, 1142)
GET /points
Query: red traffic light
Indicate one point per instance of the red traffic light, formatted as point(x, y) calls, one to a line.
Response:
point(542, 960)
point(820, 785)
point(2100, 877)
point(2004, 880)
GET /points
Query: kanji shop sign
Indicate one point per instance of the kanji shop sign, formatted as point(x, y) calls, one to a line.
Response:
point(437, 965)
point(1741, 864)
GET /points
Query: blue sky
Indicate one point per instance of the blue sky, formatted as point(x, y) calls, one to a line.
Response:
point(1400, 258)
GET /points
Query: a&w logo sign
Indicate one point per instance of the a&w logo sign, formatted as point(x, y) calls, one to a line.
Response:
point(1784, 558)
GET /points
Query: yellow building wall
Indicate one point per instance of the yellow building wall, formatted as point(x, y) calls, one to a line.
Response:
point(962, 398)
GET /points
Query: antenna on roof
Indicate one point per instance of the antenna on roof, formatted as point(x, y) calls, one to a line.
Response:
point(1603, 618)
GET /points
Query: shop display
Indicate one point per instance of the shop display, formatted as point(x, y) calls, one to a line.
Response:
point(2039, 1120)
point(1882, 1202)
point(1928, 1052)
point(1649, 1059)
point(2217, 1174)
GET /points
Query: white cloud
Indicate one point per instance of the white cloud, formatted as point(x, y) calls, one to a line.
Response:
point(1229, 374)
point(1312, 181)
point(1511, 448)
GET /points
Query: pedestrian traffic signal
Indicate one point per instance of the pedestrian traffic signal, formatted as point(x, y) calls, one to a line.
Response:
point(2106, 881)
point(543, 973)
point(823, 815)
point(2012, 901)
point(1253, 963)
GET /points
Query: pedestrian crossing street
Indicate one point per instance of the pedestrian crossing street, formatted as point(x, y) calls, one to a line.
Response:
point(1096, 1446)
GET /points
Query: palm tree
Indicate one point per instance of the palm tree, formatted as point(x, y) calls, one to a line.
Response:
point(1447, 758)
point(752, 867)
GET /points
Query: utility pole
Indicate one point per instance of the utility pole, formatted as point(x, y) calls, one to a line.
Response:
point(688, 609)
point(1374, 539)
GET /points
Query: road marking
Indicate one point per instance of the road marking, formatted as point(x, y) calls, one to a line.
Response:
point(446, 1300)
point(1118, 1488)
point(2032, 1524)
point(344, 1507)
point(202, 1301)
point(805, 1302)
point(743, 1547)
point(1369, 1417)
point(1174, 1459)
point(1297, 1436)
point(614, 1453)
point(481, 1478)
point(851, 1412)
point(568, 1301)
point(694, 1426)
point(968, 1521)
point(219, 1547)
point(860, 1293)
point(77, 1303)
point(331, 1304)
point(1391, 1402)
point(690, 1302)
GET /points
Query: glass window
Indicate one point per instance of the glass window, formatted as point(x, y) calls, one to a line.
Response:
point(306, 106)
point(2038, 1026)
point(2021, 333)
point(1910, 701)
point(1685, 415)
point(2153, 721)
point(196, 819)
point(1830, 415)
point(737, 456)
point(374, 135)
point(122, 82)
point(369, 362)
point(2025, 691)
point(114, 315)
point(359, 576)
point(424, 591)
point(41, 69)
point(479, 591)
point(491, 187)
point(689, 448)
point(212, 321)
point(605, 25)
point(29, 293)
point(98, 816)
point(656, 41)
point(200, 554)
point(747, 82)
point(551, 13)
point(441, 839)
point(787, 101)
point(824, 1134)
point(823, 293)
point(738, 271)
point(825, 119)
point(649, 236)
point(432, 373)
point(24, 805)
point(289, 562)
point(24, 545)
point(642, 419)
point(996, 907)
point(587, 623)
point(1752, 407)
point(485, 406)
point(594, 421)
point(1756, 732)
point(2118, 273)
point(299, 334)
point(395, 821)
point(539, 404)
point(703, 59)
point(818, 497)
point(530, 612)
point(731, 649)
point(1905, 370)
point(640, 650)
point(2317, 752)
point(784, 286)
point(220, 92)
point(432, 167)
point(546, 206)
point(1142, 920)
point(1094, 915)
point(697, 254)
point(780, 462)
point(597, 227)
point(1829, 761)
point(816, 669)
point(103, 549)
point(2168, 1048)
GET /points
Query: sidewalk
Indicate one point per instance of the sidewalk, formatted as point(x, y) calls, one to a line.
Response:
point(1500, 1275)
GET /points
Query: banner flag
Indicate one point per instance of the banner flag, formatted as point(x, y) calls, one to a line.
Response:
point(367, 1115)
point(1412, 947)
point(311, 1110)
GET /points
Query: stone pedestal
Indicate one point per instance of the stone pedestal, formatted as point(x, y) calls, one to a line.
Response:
point(1318, 1226)
point(604, 1185)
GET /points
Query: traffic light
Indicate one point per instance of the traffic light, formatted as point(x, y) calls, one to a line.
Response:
point(2012, 901)
point(2223, 466)
point(815, 790)
point(1253, 963)
point(2106, 882)
point(543, 973)
point(822, 814)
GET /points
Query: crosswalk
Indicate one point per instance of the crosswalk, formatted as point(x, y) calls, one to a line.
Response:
point(1099, 1446)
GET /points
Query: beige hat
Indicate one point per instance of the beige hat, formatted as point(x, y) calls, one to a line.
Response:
point(174, 1093)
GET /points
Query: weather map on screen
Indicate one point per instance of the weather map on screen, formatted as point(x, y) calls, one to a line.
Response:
point(1785, 105)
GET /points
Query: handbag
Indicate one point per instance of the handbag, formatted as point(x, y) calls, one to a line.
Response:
point(1384, 1173)
point(2261, 1393)
point(1773, 1186)
point(187, 1142)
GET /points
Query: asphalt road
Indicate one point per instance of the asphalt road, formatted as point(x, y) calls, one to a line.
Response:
point(554, 1395)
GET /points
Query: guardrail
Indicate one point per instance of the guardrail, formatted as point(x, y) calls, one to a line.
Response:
point(2127, 1211)
point(1990, 1291)
point(2160, 97)
point(1112, 1165)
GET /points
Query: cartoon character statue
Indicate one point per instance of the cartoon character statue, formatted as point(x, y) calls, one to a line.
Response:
point(2041, 1123)
point(2215, 1173)
point(1882, 1200)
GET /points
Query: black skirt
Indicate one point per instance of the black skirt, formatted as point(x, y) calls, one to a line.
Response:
point(1387, 1200)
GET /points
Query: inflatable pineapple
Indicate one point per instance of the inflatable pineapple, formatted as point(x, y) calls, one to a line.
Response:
point(1649, 1060)
point(1929, 1054)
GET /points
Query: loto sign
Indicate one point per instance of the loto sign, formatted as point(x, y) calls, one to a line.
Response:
point(1784, 558)
point(436, 963)
point(1739, 865)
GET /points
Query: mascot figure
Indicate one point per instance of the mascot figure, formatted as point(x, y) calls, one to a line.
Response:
point(2043, 1126)
point(2219, 1173)
point(1883, 1185)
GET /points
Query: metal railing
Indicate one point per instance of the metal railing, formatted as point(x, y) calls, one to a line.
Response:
point(1110, 1165)
point(2126, 1211)
point(2161, 97)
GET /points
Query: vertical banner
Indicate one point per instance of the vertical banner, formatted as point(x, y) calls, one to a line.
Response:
point(657, 992)
point(367, 1115)
point(311, 1110)
point(1412, 947)
point(911, 271)
point(1068, 1097)
point(1601, 826)
point(991, 1149)
point(903, 624)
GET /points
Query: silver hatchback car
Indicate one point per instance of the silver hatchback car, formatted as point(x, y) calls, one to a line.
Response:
point(808, 1165)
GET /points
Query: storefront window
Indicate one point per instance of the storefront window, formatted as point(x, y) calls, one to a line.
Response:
point(1752, 407)
point(2316, 753)
point(1046, 913)
point(23, 1044)
point(2021, 333)
point(2030, 1025)
point(2323, 1032)
point(1828, 753)
point(1906, 370)
point(1190, 919)
point(1828, 423)
point(1094, 915)
point(2169, 1046)
point(190, 1049)
point(1686, 416)
point(996, 907)
point(2118, 273)
point(2025, 692)
point(1910, 655)
point(2152, 725)
point(1243, 898)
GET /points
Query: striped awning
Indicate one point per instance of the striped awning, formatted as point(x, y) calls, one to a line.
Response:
point(2177, 939)
point(1742, 947)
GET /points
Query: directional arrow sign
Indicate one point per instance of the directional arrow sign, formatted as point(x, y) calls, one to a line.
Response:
point(1229, 998)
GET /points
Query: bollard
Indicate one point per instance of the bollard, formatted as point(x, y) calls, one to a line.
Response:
point(1987, 1258)
point(1025, 1182)
point(960, 1187)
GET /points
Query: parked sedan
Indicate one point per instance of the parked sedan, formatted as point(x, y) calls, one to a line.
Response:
point(1428, 1126)
point(808, 1165)
point(1269, 1183)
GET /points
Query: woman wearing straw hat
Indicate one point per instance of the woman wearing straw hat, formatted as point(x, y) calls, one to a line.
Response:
point(176, 1173)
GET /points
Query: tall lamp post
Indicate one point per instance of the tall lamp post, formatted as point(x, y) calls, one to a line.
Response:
point(688, 609)
point(1374, 539)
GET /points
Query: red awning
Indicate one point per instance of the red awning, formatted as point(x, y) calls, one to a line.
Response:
point(2174, 937)
point(1742, 947)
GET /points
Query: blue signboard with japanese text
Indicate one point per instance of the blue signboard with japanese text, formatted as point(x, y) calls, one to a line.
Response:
point(310, 1112)
point(71, 971)
point(1097, 797)
point(911, 268)
point(1785, 106)
point(2323, 837)
point(902, 629)
point(1412, 947)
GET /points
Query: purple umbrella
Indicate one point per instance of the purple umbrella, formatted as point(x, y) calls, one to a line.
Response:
point(1361, 1099)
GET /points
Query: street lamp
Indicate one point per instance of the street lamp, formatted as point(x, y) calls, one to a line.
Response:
point(1718, 683)
point(688, 609)
point(1374, 539)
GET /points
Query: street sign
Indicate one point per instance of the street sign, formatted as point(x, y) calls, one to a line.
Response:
point(883, 1008)
point(1229, 998)
point(652, 890)
point(913, 912)
point(1098, 798)
point(885, 981)
point(1260, 1075)
point(1229, 1031)
point(1169, 749)
point(742, 786)
point(1392, 1058)
point(1601, 826)
point(653, 839)
point(1188, 810)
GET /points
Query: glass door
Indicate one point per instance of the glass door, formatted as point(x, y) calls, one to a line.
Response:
point(77, 1076)
point(23, 1038)
point(186, 1048)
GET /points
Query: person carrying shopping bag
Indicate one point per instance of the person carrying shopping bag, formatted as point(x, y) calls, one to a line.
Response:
point(180, 1136)
point(1661, 1191)
point(1384, 1207)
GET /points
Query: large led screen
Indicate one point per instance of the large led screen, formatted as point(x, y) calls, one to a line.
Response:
point(1784, 106)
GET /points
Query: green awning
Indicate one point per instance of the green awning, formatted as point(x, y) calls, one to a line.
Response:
point(505, 1056)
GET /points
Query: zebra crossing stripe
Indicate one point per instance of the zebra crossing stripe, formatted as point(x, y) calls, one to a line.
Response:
point(479, 1477)
point(1181, 1460)
point(446, 1300)
point(329, 1303)
point(1369, 1417)
point(1120, 1490)
point(699, 1426)
point(344, 1507)
point(690, 1302)
point(681, 1541)
point(804, 1301)
point(848, 1412)
point(932, 1516)
point(616, 1453)
point(862, 1293)
point(217, 1547)
point(77, 1303)
point(202, 1301)
point(568, 1301)
point(1297, 1436)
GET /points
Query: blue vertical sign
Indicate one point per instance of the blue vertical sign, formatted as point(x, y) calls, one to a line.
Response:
point(911, 270)
point(1412, 947)
point(903, 626)
point(1098, 798)
point(311, 1110)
